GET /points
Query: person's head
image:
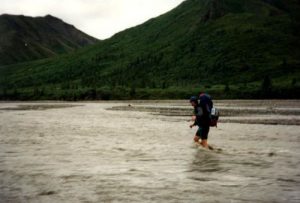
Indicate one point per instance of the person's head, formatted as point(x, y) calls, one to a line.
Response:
point(194, 101)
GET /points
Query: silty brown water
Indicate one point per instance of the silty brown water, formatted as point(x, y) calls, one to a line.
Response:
point(86, 153)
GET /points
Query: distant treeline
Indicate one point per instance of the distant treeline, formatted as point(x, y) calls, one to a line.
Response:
point(265, 90)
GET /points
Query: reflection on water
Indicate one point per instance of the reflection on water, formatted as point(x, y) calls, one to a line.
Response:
point(87, 153)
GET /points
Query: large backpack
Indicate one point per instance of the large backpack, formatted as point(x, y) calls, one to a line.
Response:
point(213, 113)
point(214, 117)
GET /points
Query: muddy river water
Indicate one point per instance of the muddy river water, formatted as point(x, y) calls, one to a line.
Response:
point(105, 152)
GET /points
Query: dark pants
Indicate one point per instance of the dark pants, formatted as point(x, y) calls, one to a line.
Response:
point(202, 132)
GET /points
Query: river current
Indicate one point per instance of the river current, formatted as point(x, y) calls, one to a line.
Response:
point(86, 152)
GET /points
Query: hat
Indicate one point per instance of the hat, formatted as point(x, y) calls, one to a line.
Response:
point(194, 99)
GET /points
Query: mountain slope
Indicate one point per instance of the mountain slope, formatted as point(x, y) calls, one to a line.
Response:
point(26, 38)
point(206, 44)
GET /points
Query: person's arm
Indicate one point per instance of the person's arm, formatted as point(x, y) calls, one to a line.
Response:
point(195, 122)
point(194, 118)
point(197, 113)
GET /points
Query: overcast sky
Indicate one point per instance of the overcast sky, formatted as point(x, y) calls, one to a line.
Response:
point(98, 18)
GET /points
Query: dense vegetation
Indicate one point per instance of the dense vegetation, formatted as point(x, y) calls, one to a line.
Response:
point(229, 48)
point(26, 38)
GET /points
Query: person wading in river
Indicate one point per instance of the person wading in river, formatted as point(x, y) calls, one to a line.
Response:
point(201, 118)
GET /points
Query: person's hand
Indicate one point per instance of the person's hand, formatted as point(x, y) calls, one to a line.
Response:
point(191, 126)
point(193, 118)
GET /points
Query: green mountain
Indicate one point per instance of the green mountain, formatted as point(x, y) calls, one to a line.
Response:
point(230, 48)
point(26, 38)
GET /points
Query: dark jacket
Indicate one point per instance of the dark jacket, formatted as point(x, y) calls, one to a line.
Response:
point(202, 111)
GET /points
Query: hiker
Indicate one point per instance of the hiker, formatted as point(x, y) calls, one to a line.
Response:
point(201, 118)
